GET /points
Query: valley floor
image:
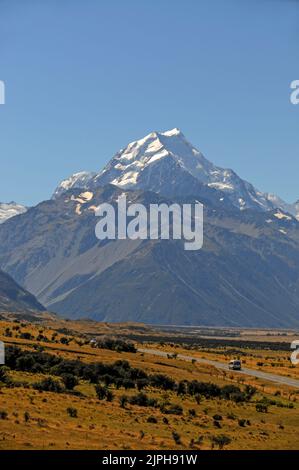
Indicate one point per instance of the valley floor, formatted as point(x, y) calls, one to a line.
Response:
point(33, 418)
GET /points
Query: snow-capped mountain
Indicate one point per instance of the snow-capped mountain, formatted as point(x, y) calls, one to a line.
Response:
point(166, 163)
point(292, 209)
point(247, 273)
point(9, 210)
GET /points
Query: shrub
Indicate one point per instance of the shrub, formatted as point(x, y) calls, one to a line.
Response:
point(261, 408)
point(249, 392)
point(127, 384)
point(162, 381)
point(208, 390)
point(116, 345)
point(69, 380)
point(172, 409)
point(232, 392)
point(64, 340)
point(141, 384)
point(141, 399)
point(101, 392)
point(109, 396)
point(49, 385)
point(3, 374)
point(25, 362)
point(152, 419)
point(176, 437)
point(217, 424)
point(199, 440)
point(221, 440)
point(26, 416)
point(3, 414)
point(72, 412)
point(198, 399)
point(26, 335)
point(182, 388)
point(123, 401)
point(217, 417)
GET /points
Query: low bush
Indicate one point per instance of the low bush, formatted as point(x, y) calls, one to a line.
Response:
point(221, 440)
point(152, 419)
point(3, 414)
point(49, 385)
point(72, 412)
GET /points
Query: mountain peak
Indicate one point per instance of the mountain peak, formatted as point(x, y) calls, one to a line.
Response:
point(167, 163)
point(156, 139)
point(10, 209)
point(172, 132)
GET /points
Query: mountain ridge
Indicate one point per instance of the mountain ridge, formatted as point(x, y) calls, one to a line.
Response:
point(247, 273)
point(13, 298)
point(155, 162)
point(10, 209)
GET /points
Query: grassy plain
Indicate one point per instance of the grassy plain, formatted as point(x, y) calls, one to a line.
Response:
point(34, 419)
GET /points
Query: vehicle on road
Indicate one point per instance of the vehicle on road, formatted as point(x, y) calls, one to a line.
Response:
point(235, 364)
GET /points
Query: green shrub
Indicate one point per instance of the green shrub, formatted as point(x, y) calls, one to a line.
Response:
point(172, 409)
point(217, 417)
point(152, 419)
point(101, 392)
point(221, 441)
point(123, 400)
point(176, 437)
point(3, 414)
point(49, 385)
point(261, 408)
point(72, 412)
point(70, 381)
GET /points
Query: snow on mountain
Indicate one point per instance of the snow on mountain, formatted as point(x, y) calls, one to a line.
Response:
point(81, 180)
point(11, 209)
point(161, 160)
point(292, 209)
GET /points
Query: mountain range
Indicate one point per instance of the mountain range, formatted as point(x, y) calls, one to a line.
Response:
point(247, 273)
point(166, 163)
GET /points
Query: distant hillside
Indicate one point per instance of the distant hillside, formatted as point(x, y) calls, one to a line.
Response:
point(246, 274)
point(13, 298)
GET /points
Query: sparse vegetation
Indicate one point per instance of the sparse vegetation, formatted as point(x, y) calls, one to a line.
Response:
point(221, 441)
point(79, 393)
point(72, 412)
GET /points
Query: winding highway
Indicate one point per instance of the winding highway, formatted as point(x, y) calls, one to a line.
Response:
point(279, 379)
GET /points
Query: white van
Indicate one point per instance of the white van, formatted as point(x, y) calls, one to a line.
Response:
point(235, 364)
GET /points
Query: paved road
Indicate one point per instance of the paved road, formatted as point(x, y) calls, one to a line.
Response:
point(279, 379)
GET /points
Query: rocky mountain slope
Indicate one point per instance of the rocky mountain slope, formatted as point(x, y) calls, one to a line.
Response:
point(13, 298)
point(166, 163)
point(247, 273)
point(11, 209)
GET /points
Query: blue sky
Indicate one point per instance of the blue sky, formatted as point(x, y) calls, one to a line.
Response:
point(84, 78)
